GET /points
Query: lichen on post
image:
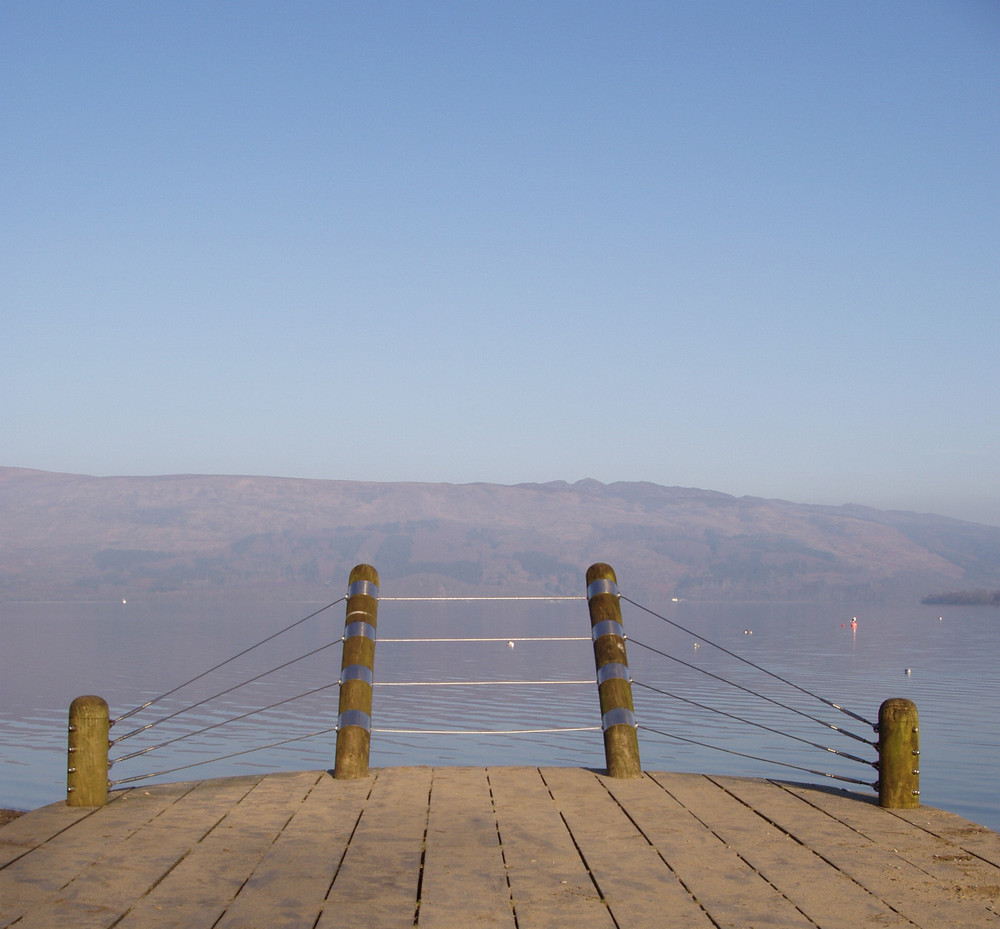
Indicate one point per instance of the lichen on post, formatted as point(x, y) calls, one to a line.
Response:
point(87, 754)
point(614, 685)
point(354, 717)
point(898, 755)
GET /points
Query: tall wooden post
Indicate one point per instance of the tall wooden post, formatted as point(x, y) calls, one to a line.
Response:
point(354, 719)
point(898, 755)
point(621, 741)
point(87, 756)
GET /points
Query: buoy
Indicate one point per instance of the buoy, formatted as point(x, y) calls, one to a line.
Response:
point(510, 644)
point(908, 670)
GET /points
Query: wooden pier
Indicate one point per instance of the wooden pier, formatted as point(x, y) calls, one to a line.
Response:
point(513, 847)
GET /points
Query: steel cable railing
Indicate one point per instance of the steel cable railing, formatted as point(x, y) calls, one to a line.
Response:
point(390, 731)
point(746, 661)
point(229, 660)
point(730, 751)
point(749, 690)
point(487, 682)
point(657, 729)
point(223, 693)
point(652, 687)
point(215, 696)
point(750, 722)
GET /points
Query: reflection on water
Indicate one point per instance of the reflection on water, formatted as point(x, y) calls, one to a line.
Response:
point(129, 654)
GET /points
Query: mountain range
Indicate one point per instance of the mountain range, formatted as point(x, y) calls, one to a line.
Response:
point(76, 537)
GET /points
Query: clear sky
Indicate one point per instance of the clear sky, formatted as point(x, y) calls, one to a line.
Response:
point(751, 247)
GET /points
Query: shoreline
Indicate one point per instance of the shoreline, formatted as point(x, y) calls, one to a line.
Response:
point(8, 816)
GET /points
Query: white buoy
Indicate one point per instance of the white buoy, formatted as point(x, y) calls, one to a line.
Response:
point(510, 644)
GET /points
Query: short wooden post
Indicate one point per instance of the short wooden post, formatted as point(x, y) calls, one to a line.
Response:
point(87, 757)
point(898, 755)
point(354, 719)
point(621, 740)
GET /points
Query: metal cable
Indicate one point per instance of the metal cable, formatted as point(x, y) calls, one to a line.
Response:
point(754, 693)
point(470, 599)
point(485, 731)
point(721, 648)
point(221, 664)
point(475, 683)
point(786, 764)
point(222, 693)
point(533, 638)
point(750, 722)
point(246, 751)
point(234, 719)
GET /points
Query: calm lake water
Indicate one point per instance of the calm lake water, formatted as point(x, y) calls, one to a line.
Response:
point(132, 653)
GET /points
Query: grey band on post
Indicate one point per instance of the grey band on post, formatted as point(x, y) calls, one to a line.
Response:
point(618, 717)
point(355, 718)
point(602, 585)
point(356, 672)
point(610, 670)
point(607, 627)
point(363, 587)
point(359, 627)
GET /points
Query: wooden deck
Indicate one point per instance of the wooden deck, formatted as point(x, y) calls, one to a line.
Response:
point(513, 847)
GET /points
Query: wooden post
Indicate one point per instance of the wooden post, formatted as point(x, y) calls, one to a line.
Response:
point(621, 741)
point(87, 757)
point(898, 755)
point(354, 719)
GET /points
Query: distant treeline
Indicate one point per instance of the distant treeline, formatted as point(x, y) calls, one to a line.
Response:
point(965, 598)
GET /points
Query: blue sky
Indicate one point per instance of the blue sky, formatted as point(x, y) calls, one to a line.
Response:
point(752, 247)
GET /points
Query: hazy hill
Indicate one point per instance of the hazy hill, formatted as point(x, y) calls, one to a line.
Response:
point(77, 537)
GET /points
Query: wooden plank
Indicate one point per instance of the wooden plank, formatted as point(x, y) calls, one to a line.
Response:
point(825, 895)
point(549, 883)
point(907, 889)
point(378, 881)
point(929, 852)
point(456, 847)
point(638, 886)
point(725, 884)
point(25, 833)
point(289, 886)
point(464, 879)
point(975, 839)
point(196, 891)
point(63, 867)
